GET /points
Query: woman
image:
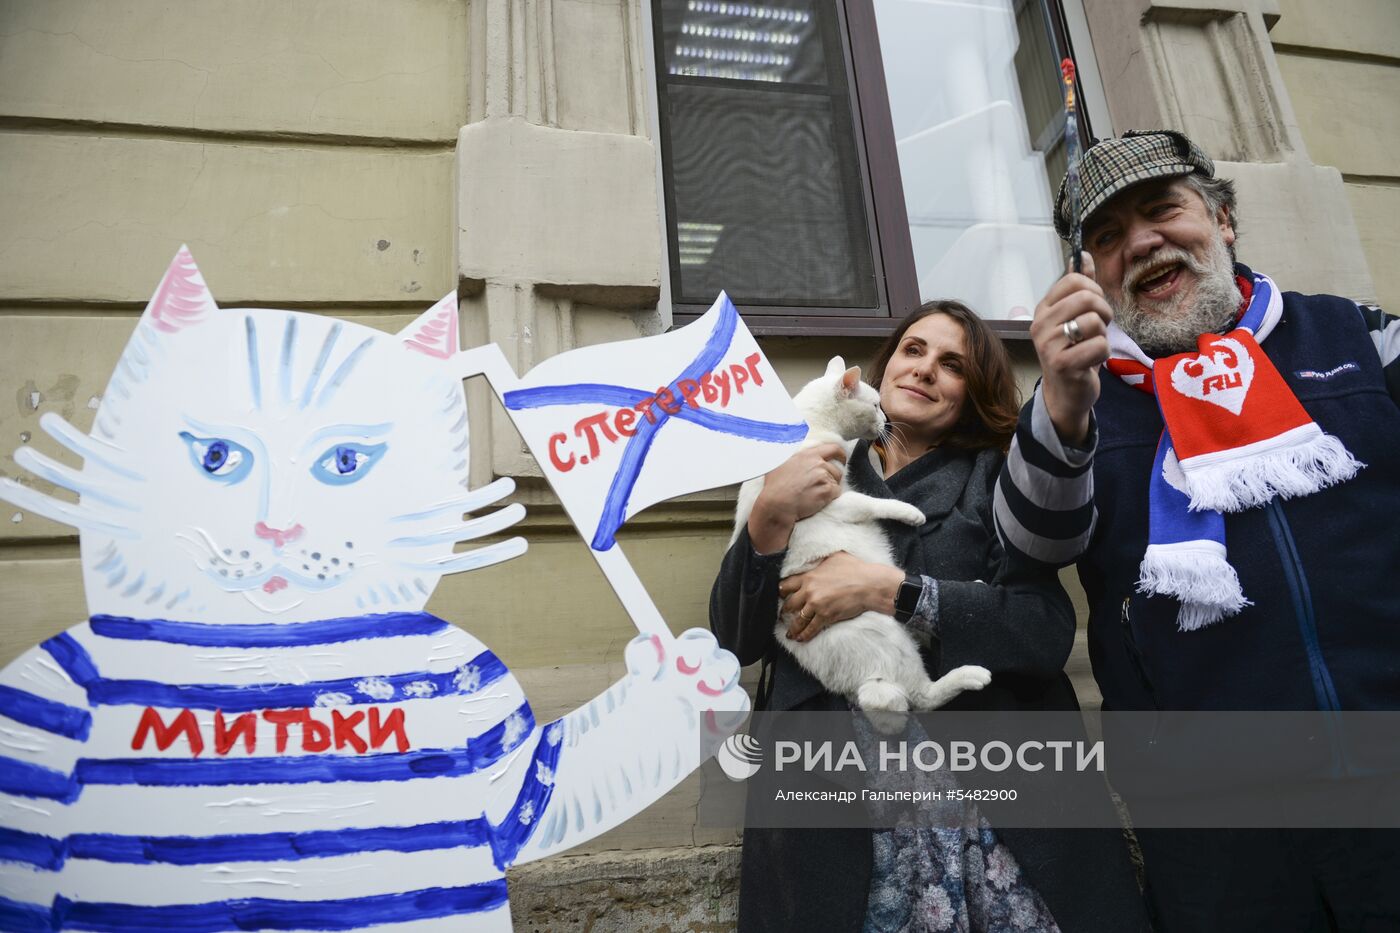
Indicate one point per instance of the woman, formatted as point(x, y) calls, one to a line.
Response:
point(946, 388)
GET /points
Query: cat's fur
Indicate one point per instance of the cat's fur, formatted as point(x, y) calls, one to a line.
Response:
point(871, 659)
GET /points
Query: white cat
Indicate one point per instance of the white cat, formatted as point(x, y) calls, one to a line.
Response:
point(259, 726)
point(871, 659)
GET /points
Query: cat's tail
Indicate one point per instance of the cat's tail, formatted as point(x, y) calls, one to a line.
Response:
point(884, 703)
point(880, 695)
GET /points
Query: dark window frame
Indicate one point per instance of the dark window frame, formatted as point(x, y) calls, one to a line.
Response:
point(883, 188)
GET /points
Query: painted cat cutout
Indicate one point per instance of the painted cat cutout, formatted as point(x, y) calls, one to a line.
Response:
point(260, 726)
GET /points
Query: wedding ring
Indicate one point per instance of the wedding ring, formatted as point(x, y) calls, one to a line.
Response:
point(1072, 331)
point(805, 617)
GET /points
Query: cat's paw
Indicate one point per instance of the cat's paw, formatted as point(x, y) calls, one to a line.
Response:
point(909, 514)
point(694, 668)
point(968, 677)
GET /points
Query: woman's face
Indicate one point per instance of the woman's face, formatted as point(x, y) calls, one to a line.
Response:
point(924, 390)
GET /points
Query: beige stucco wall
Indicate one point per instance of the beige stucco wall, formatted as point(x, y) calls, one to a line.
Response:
point(1340, 61)
point(303, 150)
point(1208, 68)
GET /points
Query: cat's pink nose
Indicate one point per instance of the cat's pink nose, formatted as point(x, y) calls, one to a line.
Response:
point(279, 537)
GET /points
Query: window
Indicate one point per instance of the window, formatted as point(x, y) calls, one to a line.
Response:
point(831, 163)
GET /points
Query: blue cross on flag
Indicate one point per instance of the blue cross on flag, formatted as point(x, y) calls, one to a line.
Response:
point(625, 425)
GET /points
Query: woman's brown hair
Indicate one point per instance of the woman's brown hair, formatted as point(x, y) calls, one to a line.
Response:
point(989, 416)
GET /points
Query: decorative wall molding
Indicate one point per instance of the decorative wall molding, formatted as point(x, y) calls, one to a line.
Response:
point(1208, 68)
point(556, 185)
point(1212, 81)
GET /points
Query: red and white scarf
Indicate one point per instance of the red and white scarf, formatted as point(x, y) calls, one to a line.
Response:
point(1234, 437)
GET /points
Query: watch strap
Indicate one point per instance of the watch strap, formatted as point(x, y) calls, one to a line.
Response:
point(906, 601)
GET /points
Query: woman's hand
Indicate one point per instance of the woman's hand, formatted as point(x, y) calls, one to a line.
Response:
point(841, 587)
point(800, 487)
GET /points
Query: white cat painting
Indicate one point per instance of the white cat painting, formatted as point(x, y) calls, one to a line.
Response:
point(259, 727)
point(871, 659)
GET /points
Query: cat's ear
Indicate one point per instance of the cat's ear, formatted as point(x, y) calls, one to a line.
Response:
point(834, 368)
point(434, 333)
point(181, 299)
point(849, 380)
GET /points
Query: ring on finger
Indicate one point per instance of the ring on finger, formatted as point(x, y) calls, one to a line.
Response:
point(1072, 332)
point(805, 617)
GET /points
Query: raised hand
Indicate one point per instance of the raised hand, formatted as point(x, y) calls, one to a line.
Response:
point(1070, 333)
point(694, 669)
point(627, 747)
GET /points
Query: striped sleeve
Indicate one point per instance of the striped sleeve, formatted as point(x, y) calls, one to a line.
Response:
point(45, 722)
point(1385, 334)
point(1044, 503)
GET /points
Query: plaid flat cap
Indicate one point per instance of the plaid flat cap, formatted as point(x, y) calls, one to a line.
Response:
point(1110, 165)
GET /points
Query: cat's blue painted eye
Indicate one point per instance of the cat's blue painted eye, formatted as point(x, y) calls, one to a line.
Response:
point(346, 463)
point(219, 458)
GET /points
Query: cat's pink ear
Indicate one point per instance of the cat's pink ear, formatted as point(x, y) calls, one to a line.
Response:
point(849, 380)
point(182, 299)
point(435, 331)
point(834, 367)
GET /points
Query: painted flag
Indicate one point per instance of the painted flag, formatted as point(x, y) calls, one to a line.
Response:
point(622, 426)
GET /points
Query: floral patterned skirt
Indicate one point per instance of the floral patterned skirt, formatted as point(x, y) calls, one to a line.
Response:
point(943, 868)
point(928, 879)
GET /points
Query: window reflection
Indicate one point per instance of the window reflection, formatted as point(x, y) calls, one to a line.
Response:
point(764, 193)
point(743, 42)
point(976, 184)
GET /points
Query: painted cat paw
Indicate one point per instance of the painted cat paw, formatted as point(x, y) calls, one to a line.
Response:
point(694, 668)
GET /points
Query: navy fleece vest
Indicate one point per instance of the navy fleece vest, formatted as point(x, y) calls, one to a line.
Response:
point(1322, 570)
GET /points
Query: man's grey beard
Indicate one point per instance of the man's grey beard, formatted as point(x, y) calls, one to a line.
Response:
point(1174, 327)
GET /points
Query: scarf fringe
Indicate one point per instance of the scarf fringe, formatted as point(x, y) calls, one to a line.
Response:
point(1251, 480)
point(1195, 616)
point(1201, 578)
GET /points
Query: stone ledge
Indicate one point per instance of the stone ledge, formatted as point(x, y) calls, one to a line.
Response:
point(1321, 254)
point(92, 219)
point(345, 67)
point(690, 888)
point(572, 212)
point(1359, 27)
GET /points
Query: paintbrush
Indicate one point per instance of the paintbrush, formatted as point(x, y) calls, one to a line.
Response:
point(1076, 222)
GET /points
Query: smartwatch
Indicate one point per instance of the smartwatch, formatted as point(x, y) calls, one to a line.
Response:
point(907, 599)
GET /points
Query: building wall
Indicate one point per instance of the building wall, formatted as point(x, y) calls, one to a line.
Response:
point(1208, 68)
point(303, 150)
point(1340, 61)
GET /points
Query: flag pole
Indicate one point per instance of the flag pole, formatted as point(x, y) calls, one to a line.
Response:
point(490, 362)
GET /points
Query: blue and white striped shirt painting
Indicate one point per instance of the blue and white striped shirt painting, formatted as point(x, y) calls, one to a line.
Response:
point(285, 791)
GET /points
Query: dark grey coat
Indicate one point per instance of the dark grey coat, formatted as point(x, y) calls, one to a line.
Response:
point(1018, 623)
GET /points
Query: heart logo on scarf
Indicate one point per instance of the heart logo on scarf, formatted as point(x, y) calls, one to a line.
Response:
point(1221, 378)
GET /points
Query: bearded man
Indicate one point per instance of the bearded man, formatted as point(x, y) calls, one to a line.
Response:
point(1222, 461)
